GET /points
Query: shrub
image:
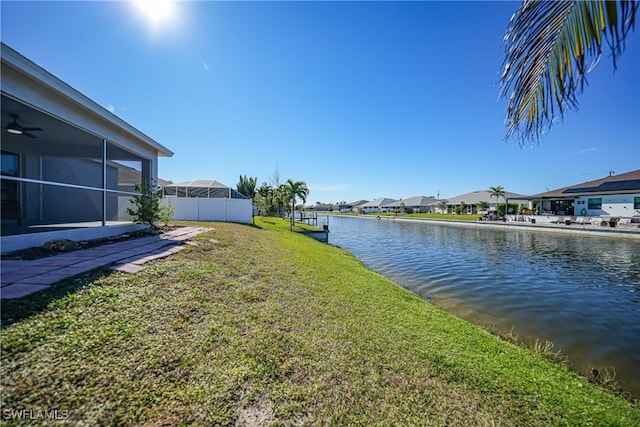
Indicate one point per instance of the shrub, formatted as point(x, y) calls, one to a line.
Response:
point(147, 205)
point(166, 212)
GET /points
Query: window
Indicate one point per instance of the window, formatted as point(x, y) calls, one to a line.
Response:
point(595, 203)
point(636, 202)
point(9, 163)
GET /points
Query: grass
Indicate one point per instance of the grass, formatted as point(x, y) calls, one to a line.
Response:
point(298, 227)
point(261, 326)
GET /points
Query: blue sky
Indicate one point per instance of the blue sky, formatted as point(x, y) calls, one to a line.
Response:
point(358, 99)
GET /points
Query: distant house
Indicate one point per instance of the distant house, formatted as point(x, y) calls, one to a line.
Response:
point(320, 207)
point(351, 207)
point(614, 195)
point(472, 199)
point(416, 204)
point(129, 177)
point(63, 157)
point(377, 205)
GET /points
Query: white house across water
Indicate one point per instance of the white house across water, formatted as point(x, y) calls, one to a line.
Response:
point(614, 195)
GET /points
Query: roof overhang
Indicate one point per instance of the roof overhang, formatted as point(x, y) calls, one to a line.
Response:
point(625, 183)
point(25, 82)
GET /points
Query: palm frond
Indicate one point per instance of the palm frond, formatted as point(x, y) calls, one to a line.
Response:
point(550, 47)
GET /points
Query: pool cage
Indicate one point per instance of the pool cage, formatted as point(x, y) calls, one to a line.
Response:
point(201, 188)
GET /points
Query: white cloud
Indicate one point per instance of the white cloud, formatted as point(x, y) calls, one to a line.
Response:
point(205, 66)
point(111, 108)
point(586, 150)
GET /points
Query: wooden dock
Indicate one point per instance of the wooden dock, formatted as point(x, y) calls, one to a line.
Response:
point(311, 220)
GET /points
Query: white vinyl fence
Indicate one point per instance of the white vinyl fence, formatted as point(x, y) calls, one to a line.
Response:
point(210, 209)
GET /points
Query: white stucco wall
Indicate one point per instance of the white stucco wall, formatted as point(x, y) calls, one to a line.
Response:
point(613, 205)
point(371, 210)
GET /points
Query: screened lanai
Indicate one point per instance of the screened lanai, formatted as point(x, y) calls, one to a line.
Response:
point(204, 188)
point(64, 160)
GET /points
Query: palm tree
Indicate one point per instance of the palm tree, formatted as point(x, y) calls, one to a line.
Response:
point(497, 192)
point(550, 47)
point(443, 205)
point(264, 198)
point(247, 186)
point(265, 190)
point(294, 190)
point(280, 198)
point(482, 206)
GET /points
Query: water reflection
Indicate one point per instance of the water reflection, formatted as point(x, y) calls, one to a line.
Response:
point(581, 292)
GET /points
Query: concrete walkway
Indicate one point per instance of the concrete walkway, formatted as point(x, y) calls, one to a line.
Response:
point(19, 278)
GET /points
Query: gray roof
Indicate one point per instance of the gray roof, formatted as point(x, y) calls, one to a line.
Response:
point(624, 183)
point(485, 196)
point(131, 176)
point(414, 201)
point(199, 183)
point(356, 203)
point(377, 203)
point(317, 206)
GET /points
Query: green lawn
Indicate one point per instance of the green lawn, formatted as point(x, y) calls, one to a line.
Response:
point(260, 326)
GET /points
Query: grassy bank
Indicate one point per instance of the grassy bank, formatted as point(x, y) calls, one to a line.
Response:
point(260, 326)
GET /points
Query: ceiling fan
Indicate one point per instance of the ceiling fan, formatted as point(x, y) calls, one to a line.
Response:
point(15, 128)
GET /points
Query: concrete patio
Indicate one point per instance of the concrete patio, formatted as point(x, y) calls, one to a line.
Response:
point(19, 278)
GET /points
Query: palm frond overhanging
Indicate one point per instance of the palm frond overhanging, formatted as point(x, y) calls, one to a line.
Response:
point(550, 46)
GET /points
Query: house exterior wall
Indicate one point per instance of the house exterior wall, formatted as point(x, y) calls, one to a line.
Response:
point(69, 205)
point(414, 209)
point(610, 205)
point(377, 209)
point(30, 192)
point(61, 204)
point(45, 203)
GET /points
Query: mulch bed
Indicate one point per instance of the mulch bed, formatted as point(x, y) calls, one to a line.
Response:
point(41, 252)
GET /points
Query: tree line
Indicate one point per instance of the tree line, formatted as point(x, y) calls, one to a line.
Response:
point(274, 200)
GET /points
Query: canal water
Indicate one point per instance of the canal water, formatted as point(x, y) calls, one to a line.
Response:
point(580, 292)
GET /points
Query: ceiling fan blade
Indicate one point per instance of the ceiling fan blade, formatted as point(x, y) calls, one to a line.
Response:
point(32, 129)
point(29, 135)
